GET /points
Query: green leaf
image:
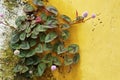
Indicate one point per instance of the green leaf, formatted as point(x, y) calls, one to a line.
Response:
point(40, 28)
point(61, 49)
point(22, 54)
point(52, 9)
point(73, 48)
point(50, 26)
point(28, 35)
point(79, 18)
point(43, 16)
point(22, 36)
point(34, 36)
point(76, 58)
point(38, 3)
point(51, 22)
point(48, 46)
point(32, 42)
point(65, 34)
point(39, 49)
point(42, 37)
point(56, 61)
point(41, 68)
point(25, 45)
point(23, 26)
point(65, 26)
point(15, 38)
point(15, 46)
point(34, 60)
point(19, 20)
point(50, 37)
point(17, 68)
point(28, 8)
point(66, 18)
point(28, 30)
point(24, 69)
point(68, 61)
point(47, 58)
point(30, 53)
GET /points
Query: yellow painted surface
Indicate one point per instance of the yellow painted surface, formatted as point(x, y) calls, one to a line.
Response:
point(99, 39)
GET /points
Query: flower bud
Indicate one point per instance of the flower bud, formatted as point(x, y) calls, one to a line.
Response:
point(85, 14)
point(16, 52)
point(93, 15)
point(30, 72)
point(38, 19)
point(53, 67)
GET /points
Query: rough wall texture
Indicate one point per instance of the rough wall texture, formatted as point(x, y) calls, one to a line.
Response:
point(98, 39)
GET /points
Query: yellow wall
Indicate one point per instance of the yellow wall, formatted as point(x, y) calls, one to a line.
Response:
point(98, 39)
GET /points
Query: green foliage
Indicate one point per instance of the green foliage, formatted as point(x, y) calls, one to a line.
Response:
point(41, 44)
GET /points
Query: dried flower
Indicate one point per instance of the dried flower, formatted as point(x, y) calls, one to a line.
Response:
point(85, 14)
point(93, 15)
point(38, 19)
point(30, 71)
point(53, 67)
point(16, 52)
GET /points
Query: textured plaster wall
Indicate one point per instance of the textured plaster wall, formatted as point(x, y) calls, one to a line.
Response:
point(99, 39)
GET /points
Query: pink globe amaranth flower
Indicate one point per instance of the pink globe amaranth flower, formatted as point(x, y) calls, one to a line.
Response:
point(93, 15)
point(1, 15)
point(38, 19)
point(16, 52)
point(85, 14)
point(53, 67)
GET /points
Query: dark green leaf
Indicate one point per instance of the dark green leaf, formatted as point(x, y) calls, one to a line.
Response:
point(28, 30)
point(30, 53)
point(79, 18)
point(17, 68)
point(50, 37)
point(22, 36)
point(23, 26)
point(66, 18)
point(40, 28)
point(24, 69)
point(15, 38)
point(22, 53)
point(34, 60)
point(19, 20)
point(68, 61)
point(28, 8)
point(41, 68)
point(56, 61)
point(34, 36)
point(48, 46)
point(43, 16)
point(61, 49)
point(73, 48)
point(42, 37)
point(15, 46)
point(25, 45)
point(47, 58)
point(38, 3)
point(32, 42)
point(76, 58)
point(52, 9)
point(65, 34)
point(65, 26)
point(28, 35)
point(39, 48)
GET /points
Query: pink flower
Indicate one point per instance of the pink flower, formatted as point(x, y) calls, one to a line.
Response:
point(16, 52)
point(85, 14)
point(93, 15)
point(1, 15)
point(38, 19)
point(53, 67)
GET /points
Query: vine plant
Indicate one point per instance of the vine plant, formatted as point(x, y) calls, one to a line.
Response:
point(39, 40)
